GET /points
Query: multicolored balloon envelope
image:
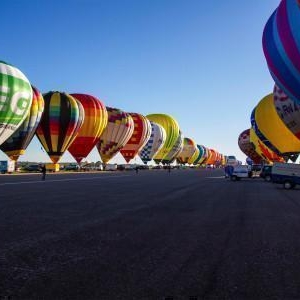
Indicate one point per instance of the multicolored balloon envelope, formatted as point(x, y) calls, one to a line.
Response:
point(139, 138)
point(117, 133)
point(17, 143)
point(266, 122)
point(281, 44)
point(213, 157)
point(261, 149)
point(15, 99)
point(154, 144)
point(200, 154)
point(172, 130)
point(194, 157)
point(61, 121)
point(176, 149)
point(95, 120)
point(288, 110)
point(188, 150)
point(247, 147)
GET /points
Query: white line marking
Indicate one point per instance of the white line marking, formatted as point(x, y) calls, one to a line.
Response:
point(216, 177)
point(68, 179)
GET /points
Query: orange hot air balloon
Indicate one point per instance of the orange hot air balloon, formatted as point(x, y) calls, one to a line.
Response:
point(141, 135)
point(117, 133)
point(95, 120)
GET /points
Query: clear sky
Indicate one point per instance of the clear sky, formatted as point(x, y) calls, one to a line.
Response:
point(200, 61)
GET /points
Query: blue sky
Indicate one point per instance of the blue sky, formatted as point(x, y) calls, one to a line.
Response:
point(200, 61)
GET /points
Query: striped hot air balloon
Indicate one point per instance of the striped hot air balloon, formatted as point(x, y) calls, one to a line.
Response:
point(117, 133)
point(194, 157)
point(15, 99)
point(139, 138)
point(264, 151)
point(62, 118)
point(17, 143)
point(281, 45)
point(172, 132)
point(95, 121)
point(155, 142)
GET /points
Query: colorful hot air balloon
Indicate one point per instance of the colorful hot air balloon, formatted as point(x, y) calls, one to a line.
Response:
point(261, 149)
point(194, 157)
point(155, 143)
point(247, 147)
point(172, 131)
point(213, 157)
point(188, 150)
point(95, 120)
point(139, 138)
point(288, 110)
point(62, 118)
point(266, 122)
point(117, 133)
point(15, 99)
point(281, 45)
point(176, 149)
point(17, 143)
point(199, 154)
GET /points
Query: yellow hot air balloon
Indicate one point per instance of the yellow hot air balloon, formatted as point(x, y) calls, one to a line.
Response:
point(194, 156)
point(273, 128)
point(172, 131)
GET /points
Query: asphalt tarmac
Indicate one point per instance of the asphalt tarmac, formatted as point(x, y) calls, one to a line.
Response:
point(190, 234)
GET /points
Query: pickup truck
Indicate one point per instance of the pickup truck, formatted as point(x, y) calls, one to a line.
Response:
point(286, 174)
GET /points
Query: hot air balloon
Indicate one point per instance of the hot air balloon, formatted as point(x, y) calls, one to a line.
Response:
point(268, 124)
point(139, 138)
point(194, 157)
point(176, 149)
point(247, 147)
point(95, 120)
point(62, 118)
point(200, 154)
point(155, 143)
point(189, 148)
point(15, 99)
point(288, 110)
point(213, 157)
point(261, 149)
point(117, 133)
point(172, 131)
point(17, 143)
point(281, 45)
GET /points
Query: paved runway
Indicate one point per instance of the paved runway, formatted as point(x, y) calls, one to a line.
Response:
point(151, 235)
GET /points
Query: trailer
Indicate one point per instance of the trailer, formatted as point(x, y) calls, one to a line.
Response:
point(286, 174)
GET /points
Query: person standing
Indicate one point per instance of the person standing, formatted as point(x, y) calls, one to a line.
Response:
point(43, 171)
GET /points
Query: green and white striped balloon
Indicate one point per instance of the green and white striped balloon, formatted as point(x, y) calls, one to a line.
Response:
point(15, 99)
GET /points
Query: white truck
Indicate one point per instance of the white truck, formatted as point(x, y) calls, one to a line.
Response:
point(286, 174)
point(7, 166)
point(238, 172)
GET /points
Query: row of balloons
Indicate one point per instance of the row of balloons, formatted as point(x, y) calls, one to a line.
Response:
point(275, 121)
point(79, 122)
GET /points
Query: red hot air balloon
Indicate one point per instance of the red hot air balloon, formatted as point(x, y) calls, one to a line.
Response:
point(95, 120)
point(139, 138)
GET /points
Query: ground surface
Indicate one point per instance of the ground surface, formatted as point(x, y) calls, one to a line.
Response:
point(151, 235)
